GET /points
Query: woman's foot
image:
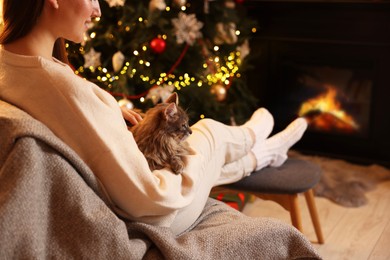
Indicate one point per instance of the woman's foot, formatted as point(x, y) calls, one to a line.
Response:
point(273, 151)
point(261, 123)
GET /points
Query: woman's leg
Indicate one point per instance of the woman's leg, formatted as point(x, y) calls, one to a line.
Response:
point(273, 151)
point(225, 154)
point(216, 145)
point(266, 152)
point(260, 124)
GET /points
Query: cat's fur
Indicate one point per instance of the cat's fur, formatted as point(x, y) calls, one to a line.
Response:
point(161, 136)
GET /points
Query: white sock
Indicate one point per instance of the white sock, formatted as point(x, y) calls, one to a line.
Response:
point(261, 123)
point(273, 151)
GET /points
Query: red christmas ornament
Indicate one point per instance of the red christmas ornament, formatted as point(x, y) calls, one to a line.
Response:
point(158, 45)
point(240, 1)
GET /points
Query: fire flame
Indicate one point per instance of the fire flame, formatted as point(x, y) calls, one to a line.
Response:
point(324, 112)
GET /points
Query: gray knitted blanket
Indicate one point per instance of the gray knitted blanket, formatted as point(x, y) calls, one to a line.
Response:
point(51, 207)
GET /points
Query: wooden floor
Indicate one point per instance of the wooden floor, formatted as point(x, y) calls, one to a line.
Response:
point(350, 233)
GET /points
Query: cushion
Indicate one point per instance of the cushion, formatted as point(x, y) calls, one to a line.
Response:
point(294, 176)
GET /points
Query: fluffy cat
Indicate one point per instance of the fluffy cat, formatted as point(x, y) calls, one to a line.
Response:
point(161, 136)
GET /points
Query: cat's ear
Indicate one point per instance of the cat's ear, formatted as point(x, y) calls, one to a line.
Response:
point(54, 4)
point(174, 98)
point(170, 111)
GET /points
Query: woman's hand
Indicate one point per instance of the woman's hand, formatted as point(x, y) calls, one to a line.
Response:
point(130, 115)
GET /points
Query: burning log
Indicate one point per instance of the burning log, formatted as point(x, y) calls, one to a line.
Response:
point(325, 113)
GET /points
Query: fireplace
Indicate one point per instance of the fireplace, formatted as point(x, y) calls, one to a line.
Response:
point(335, 99)
point(328, 62)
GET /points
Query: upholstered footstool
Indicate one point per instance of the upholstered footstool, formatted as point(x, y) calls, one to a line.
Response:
point(283, 185)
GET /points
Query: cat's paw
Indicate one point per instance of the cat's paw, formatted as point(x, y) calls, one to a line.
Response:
point(178, 167)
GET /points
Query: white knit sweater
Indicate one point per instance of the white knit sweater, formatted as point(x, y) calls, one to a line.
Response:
point(89, 120)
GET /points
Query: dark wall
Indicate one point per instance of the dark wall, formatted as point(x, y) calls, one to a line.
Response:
point(345, 33)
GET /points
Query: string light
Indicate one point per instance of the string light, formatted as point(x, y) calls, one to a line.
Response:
point(221, 70)
point(224, 73)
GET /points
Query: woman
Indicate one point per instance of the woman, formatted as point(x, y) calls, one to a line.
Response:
point(35, 77)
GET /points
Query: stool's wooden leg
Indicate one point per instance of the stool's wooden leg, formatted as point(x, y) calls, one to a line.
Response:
point(294, 212)
point(309, 195)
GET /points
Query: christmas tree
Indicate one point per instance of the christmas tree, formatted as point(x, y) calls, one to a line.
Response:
point(141, 51)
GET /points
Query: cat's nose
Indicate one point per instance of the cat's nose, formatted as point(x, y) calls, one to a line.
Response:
point(190, 131)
